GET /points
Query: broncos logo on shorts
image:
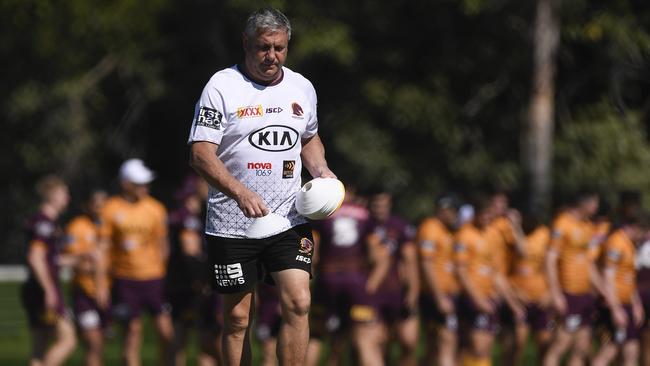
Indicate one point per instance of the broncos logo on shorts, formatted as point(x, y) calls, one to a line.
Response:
point(306, 246)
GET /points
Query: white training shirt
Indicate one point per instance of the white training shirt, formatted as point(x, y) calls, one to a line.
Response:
point(259, 131)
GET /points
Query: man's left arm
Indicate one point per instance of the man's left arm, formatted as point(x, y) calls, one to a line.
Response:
point(313, 157)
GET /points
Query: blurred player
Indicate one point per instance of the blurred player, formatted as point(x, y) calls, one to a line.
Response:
point(189, 277)
point(397, 296)
point(268, 322)
point(484, 285)
point(82, 240)
point(440, 288)
point(626, 309)
point(528, 279)
point(573, 278)
point(41, 295)
point(643, 285)
point(341, 302)
point(134, 229)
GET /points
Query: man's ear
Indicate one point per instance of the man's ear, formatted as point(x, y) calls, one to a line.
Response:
point(244, 41)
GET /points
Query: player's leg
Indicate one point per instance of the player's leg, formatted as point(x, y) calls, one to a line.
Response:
point(447, 345)
point(522, 331)
point(645, 345)
point(93, 340)
point(581, 346)
point(132, 341)
point(607, 352)
point(480, 351)
point(237, 313)
point(181, 333)
point(295, 299)
point(210, 330)
point(64, 344)
point(562, 342)
point(367, 340)
point(631, 352)
point(407, 332)
point(40, 339)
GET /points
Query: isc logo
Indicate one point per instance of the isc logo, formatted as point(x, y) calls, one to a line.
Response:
point(274, 138)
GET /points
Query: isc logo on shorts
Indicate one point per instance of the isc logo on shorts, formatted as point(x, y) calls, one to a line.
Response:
point(302, 258)
point(229, 274)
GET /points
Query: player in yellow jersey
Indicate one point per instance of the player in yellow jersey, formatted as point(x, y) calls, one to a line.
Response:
point(626, 309)
point(440, 288)
point(483, 285)
point(82, 240)
point(134, 229)
point(573, 280)
point(528, 279)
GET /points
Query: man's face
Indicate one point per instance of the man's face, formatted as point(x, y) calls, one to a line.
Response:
point(500, 204)
point(448, 216)
point(590, 206)
point(265, 54)
point(137, 191)
point(97, 202)
point(380, 206)
point(60, 197)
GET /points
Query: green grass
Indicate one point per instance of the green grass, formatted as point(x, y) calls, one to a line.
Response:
point(14, 338)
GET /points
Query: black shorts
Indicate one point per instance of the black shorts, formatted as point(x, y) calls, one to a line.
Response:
point(240, 263)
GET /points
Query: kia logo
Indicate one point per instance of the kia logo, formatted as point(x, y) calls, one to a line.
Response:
point(274, 138)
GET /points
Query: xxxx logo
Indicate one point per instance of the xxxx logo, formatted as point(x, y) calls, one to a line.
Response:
point(250, 111)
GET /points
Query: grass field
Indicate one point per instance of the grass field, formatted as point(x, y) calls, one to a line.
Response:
point(14, 338)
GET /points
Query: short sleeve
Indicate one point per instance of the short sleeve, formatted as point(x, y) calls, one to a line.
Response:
point(72, 239)
point(613, 254)
point(426, 240)
point(312, 124)
point(208, 123)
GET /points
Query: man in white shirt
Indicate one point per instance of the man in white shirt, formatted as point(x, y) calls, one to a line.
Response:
point(254, 126)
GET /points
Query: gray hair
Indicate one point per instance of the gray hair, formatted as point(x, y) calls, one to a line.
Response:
point(267, 19)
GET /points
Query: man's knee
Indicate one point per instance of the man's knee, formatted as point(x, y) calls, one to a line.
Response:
point(237, 319)
point(297, 303)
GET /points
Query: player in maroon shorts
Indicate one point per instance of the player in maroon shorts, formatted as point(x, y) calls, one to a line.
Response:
point(396, 297)
point(91, 316)
point(188, 288)
point(41, 294)
point(341, 302)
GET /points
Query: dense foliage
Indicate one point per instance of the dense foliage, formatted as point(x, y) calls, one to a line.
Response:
point(420, 96)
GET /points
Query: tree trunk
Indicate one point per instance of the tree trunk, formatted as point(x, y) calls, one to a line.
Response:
point(539, 139)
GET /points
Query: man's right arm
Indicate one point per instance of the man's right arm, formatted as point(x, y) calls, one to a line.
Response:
point(203, 158)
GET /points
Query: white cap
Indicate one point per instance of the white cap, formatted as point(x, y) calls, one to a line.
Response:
point(320, 197)
point(134, 171)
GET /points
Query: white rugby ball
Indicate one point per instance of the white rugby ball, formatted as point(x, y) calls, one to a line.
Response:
point(265, 226)
point(320, 198)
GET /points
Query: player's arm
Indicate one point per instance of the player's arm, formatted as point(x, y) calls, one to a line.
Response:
point(551, 266)
point(508, 294)
point(518, 233)
point(313, 157)
point(462, 271)
point(37, 259)
point(379, 263)
point(427, 252)
point(606, 284)
point(410, 266)
point(637, 309)
point(204, 159)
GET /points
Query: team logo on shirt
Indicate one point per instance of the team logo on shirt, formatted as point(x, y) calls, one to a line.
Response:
point(209, 117)
point(250, 111)
point(297, 111)
point(274, 138)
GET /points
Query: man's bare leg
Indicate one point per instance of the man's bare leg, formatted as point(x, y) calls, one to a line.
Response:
point(237, 312)
point(295, 299)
